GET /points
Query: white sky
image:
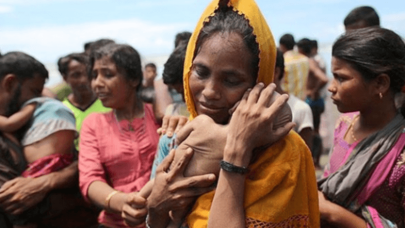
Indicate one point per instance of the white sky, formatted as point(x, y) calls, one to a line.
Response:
point(49, 29)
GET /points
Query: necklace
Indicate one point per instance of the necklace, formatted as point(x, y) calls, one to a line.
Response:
point(130, 127)
point(352, 127)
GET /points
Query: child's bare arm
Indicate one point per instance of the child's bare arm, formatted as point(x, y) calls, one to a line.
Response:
point(18, 119)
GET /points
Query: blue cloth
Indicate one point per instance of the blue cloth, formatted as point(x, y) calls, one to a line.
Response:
point(166, 144)
point(49, 117)
point(318, 103)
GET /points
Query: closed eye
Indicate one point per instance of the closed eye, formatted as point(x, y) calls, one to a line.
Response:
point(201, 71)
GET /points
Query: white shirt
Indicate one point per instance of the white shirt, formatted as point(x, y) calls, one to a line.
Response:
point(301, 113)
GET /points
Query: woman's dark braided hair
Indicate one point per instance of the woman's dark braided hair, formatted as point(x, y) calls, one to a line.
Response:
point(226, 20)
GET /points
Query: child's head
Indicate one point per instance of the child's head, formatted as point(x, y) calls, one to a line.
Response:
point(361, 17)
point(374, 51)
point(173, 68)
point(287, 42)
point(314, 47)
point(181, 37)
point(150, 74)
point(305, 46)
point(73, 69)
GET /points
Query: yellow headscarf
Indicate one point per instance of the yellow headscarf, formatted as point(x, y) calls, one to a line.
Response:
point(264, 38)
point(280, 190)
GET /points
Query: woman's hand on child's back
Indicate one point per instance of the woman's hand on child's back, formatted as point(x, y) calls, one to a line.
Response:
point(172, 191)
point(171, 125)
point(207, 139)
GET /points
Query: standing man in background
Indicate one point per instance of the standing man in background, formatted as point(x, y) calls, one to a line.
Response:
point(316, 81)
point(296, 68)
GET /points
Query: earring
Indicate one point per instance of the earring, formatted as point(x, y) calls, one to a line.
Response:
point(381, 96)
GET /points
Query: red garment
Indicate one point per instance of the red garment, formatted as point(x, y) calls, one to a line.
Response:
point(48, 164)
point(117, 153)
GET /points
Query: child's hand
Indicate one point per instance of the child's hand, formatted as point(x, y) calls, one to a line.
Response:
point(18, 119)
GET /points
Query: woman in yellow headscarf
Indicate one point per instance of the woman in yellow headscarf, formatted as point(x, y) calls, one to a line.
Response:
point(230, 51)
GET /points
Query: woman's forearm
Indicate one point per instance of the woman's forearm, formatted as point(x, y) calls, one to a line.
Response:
point(341, 217)
point(229, 195)
point(99, 191)
point(228, 201)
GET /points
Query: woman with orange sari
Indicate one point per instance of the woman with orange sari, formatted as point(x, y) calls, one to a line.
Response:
point(230, 52)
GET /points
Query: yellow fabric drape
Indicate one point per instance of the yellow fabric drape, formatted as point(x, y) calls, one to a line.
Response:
point(280, 190)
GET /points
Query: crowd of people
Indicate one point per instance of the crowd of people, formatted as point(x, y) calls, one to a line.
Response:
point(111, 146)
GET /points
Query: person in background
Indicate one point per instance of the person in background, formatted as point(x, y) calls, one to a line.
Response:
point(148, 90)
point(301, 112)
point(61, 90)
point(94, 45)
point(296, 68)
point(364, 181)
point(166, 96)
point(82, 101)
point(317, 79)
point(316, 56)
point(361, 17)
point(173, 77)
point(31, 196)
point(181, 36)
point(117, 148)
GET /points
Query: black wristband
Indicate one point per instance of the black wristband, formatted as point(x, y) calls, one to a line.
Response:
point(229, 167)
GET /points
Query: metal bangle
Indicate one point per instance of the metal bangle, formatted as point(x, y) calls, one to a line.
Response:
point(108, 198)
